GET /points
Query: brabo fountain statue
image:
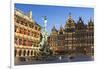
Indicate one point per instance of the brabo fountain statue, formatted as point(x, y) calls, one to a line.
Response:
point(44, 46)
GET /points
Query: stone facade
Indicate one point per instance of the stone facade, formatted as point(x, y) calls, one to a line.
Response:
point(74, 38)
point(26, 34)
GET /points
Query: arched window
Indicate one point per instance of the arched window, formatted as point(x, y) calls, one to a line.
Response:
point(60, 32)
point(26, 24)
point(28, 32)
point(17, 41)
point(28, 53)
point(35, 53)
point(20, 41)
point(20, 52)
point(24, 43)
point(31, 52)
point(24, 53)
point(15, 53)
point(16, 28)
point(24, 31)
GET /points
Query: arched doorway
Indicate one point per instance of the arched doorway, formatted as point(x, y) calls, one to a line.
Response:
point(20, 52)
point(24, 52)
point(28, 53)
point(31, 53)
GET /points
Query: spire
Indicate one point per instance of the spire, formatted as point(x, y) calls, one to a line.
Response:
point(69, 17)
point(45, 22)
point(70, 23)
point(61, 28)
point(80, 24)
point(91, 20)
point(90, 23)
point(54, 29)
point(80, 20)
point(30, 14)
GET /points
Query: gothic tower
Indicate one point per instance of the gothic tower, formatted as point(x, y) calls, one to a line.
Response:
point(70, 24)
point(90, 25)
point(54, 31)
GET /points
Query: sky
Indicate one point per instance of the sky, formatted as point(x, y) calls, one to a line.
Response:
point(56, 15)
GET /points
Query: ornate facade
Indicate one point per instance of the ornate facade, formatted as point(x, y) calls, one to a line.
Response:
point(74, 38)
point(27, 34)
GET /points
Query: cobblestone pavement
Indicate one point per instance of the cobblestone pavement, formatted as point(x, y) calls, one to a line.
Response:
point(57, 59)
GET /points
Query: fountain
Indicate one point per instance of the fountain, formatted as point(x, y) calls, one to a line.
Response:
point(43, 45)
